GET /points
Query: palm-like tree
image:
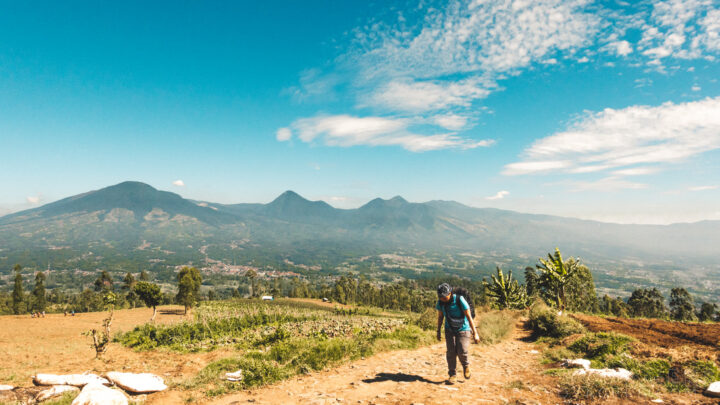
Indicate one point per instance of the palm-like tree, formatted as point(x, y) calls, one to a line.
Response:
point(506, 291)
point(556, 274)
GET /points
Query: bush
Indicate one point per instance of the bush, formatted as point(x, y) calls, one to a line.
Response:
point(590, 387)
point(597, 346)
point(545, 321)
point(495, 326)
point(653, 369)
point(702, 373)
point(428, 319)
point(557, 355)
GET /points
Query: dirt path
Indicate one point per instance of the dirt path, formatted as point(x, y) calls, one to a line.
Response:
point(502, 373)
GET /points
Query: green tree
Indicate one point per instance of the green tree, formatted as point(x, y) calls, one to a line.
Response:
point(211, 295)
point(647, 303)
point(531, 281)
point(189, 281)
point(129, 286)
point(682, 307)
point(556, 274)
point(580, 291)
point(505, 292)
point(707, 312)
point(150, 294)
point(144, 276)
point(251, 276)
point(17, 295)
point(104, 283)
point(38, 293)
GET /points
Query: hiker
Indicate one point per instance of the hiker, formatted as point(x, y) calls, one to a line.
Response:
point(459, 327)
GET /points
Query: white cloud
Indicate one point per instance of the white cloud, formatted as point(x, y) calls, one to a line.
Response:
point(635, 135)
point(702, 188)
point(612, 183)
point(33, 199)
point(499, 196)
point(452, 122)
point(685, 29)
point(636, 171)
point(477, 36)
point(534, 167)
point(584, 59)
point(436, 69)
point(178, 183)
point(419, 96)
point(696, 88)
point(283, 134)
point(621, 48)
point(345, 130)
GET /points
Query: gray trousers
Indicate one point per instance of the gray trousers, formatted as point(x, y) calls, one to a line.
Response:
point(457, 347)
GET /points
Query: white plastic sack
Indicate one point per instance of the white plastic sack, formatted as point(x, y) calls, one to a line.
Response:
point(143, 383)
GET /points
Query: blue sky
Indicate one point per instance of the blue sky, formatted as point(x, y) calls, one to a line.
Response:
point(602, 110)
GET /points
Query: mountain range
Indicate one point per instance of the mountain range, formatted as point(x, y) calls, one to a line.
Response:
point(130, 214)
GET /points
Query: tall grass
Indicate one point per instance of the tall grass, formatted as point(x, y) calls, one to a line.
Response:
point(302, 355)
point(250, 323)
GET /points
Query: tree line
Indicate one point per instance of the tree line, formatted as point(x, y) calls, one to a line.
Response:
point(130, 293)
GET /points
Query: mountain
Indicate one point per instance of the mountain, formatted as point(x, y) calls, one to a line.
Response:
point(126, 218)
point(129, 198)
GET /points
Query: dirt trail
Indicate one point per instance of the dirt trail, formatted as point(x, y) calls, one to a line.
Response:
point(501, 373)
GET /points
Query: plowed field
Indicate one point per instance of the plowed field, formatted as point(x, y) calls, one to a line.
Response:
point(657, 332)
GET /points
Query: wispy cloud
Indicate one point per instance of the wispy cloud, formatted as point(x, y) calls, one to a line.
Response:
point(346, 130)
point(702, 188)
point(34, 200)
point(433, 72)
point(499, 195)
point(638, 135)
point(178, 183)
point(283, 134)
point(606, 184)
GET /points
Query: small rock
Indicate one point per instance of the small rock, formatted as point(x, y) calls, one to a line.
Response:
point(576, 363)
point(713, 390)
point(534, 352)
point(6, 387)
point(98, 394)
point(142, 383)
point(657, 401)
point(620, 373)
point(55, 391)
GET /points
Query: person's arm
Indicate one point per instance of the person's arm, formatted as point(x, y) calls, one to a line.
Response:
point(476, 336)
point(439, 323)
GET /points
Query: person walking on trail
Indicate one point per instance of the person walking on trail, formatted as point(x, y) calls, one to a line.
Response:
point(459, 327)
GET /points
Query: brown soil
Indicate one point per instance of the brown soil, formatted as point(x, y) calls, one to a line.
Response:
point(657, 332)
point(55, 344)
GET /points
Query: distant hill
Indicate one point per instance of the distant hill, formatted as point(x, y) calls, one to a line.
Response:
point(129, 214)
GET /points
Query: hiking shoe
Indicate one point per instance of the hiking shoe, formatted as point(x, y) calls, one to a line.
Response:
point(451, 380)
point(466, 372)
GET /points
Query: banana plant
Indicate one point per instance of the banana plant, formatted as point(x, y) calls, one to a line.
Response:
point(506, 292)
point(556, 274)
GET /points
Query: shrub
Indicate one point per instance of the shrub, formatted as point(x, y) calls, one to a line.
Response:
point(557, 355)
point(545, 321)
point(495, 326)
point(702, 373)
point(428, 319)
point(590, 387)
point(596, 346)
point(653, 369)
